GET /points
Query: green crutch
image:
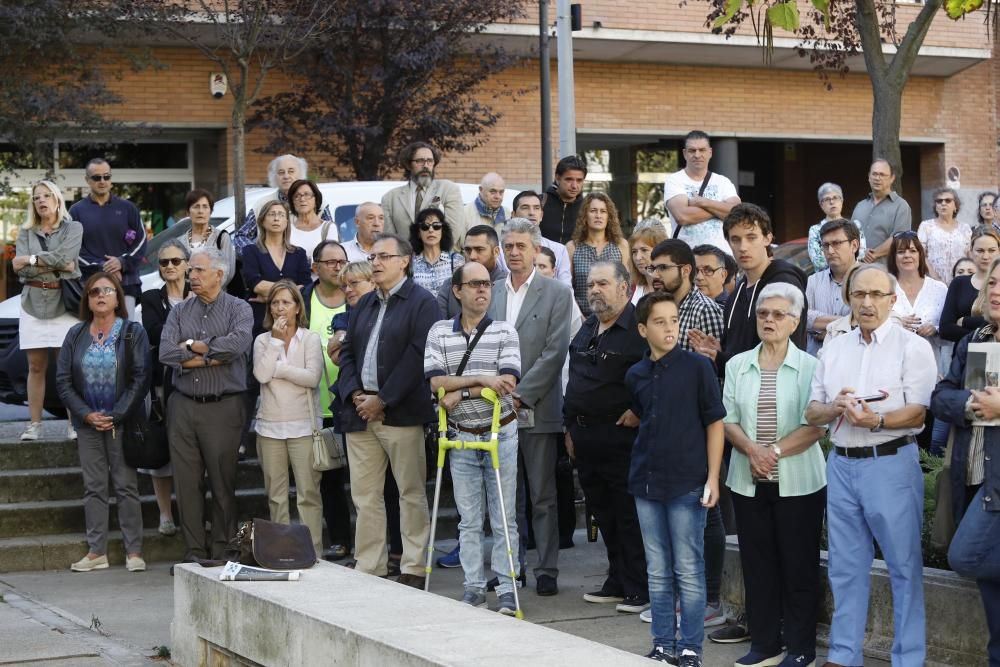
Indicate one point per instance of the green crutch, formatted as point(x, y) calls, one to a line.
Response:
point(492, 446)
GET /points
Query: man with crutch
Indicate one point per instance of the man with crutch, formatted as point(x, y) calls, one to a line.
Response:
point(464, 356)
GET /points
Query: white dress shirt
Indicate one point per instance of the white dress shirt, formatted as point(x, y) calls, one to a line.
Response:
point(515, 298)
point(897, 361)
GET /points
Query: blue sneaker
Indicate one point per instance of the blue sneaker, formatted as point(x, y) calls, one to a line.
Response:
point(758, 659)
point(450, 559)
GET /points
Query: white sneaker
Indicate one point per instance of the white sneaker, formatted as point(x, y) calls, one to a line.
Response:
point(32, 432)
point(167, 528)
point(135, 564)
point(646, 616)
point(70, 431)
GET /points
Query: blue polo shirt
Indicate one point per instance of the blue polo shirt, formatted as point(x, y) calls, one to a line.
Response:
point(115, 230)
point(676, 398)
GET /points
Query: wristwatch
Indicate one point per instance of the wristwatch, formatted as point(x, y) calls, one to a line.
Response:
point(880, 425)
point(466, 394)
point(33, 260)
point(777, 450)
point(188, 343)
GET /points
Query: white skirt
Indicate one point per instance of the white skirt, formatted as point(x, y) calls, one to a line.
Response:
point(35, 334)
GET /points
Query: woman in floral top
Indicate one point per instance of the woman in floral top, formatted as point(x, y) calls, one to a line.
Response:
point(831, 200)
point(433, 259)
point(945, 238)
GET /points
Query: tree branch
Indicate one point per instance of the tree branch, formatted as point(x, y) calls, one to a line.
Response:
point(871, 39)
point(906, 54)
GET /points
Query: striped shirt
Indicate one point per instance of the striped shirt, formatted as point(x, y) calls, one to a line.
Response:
point(698, 311)
point(226, 326)
point(498, 352)
point(767, 412)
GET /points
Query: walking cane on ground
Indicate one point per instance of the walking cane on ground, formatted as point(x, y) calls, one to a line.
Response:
point(492, 446)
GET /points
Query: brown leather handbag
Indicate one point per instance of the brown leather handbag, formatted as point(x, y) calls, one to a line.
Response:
point(276, 546)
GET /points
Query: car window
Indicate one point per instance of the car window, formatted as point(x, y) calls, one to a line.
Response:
point(176, 230)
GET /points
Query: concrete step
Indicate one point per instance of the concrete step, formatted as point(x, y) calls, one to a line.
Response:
point(49, 453)
point(66, 483)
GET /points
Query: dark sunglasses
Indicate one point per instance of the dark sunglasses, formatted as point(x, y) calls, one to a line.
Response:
point(176, 261)
point(943, 201)
point(100, 291)
point(100, 177)
point(436, 226)
point(905, 235)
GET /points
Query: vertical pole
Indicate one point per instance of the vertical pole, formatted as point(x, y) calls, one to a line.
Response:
point(546, 92)
point(567, 99)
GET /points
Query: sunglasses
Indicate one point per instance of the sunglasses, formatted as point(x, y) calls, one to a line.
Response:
point(176, 261)
point(944, 201)
point(436, 226)
point(100, 177)
point(479, 284)
point(100, 291)
point(778, 315)
point(905, 235)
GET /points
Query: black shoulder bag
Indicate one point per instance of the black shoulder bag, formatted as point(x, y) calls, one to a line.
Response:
point(701, 192)
point(144, 439)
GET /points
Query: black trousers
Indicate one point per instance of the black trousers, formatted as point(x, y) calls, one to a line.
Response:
point(336, 502)
point(779, 551)
point(603, 457)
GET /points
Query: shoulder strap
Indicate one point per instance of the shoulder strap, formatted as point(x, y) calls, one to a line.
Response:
point(218, 239)
point(704, 183)
point(468, 351)
point(324, 230)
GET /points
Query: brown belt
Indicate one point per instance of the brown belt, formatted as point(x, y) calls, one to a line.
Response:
point(484, 429)
point(43, 285)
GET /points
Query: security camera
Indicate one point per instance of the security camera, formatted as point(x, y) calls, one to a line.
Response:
point(217, 84)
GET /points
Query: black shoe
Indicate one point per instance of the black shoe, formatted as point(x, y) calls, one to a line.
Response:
point(393, 565)
point(336, 552)
point(603, 596)
point(411, 580)
point(492, 584)
point(731, 634)
point(546, 585)
point(660, 655)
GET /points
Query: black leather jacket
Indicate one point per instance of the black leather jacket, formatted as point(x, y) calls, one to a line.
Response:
point(132, 377)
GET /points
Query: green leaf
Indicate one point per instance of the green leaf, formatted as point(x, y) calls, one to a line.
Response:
point(784, 15)
point(732, 6)
point(958, 8)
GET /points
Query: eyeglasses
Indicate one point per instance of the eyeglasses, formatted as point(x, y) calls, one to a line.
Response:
point(944, 201)
point(905, 235)
point(478, 284)
point(100, 291)
point(99, 177)
point(353, 284)
point(831, 199)
point(436, 226)
point(861, 295)
point(382, 257)
point(708, 271)
point(304, 194)
point(833, 245)
point(777, 315)
point(176, 261)
point(331, 263)
point(660, 268)
point(422, 160)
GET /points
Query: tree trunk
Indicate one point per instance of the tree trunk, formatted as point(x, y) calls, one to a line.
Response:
point(886, 117)
point(239, 147)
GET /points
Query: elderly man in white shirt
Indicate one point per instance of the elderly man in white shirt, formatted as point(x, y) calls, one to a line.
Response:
point(839, 240)
point(875, 484)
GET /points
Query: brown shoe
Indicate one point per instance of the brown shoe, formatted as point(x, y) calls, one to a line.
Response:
point(411, 580)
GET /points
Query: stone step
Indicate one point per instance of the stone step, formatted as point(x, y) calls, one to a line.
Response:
point(49, 453)
point(66, 483)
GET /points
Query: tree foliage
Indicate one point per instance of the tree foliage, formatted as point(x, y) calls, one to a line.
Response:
point(391, 72)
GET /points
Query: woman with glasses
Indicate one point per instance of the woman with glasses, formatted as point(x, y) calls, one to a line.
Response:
point(957, 316)
point(199, 206)
point(103, 378)
point(307, 225)
point(641, 244)
point(777, 476)
point(271, 258)
point(46, 253)
point(945, 239)
point(596, 237)
point(432, 241)
point(173, 259)
point(986, 214)
point(831, 201)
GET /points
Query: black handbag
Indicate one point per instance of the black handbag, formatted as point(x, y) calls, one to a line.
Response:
point(144, 441)
point(276, 546)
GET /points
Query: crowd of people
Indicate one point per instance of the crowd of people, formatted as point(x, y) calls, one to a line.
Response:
point(690, 379)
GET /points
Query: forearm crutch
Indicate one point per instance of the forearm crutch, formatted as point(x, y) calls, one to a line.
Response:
point(493, 447)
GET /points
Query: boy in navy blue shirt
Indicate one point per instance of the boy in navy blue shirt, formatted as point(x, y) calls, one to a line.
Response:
point(674, 475)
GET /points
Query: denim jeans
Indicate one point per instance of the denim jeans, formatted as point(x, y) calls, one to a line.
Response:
point(674, 537)
point(471, 470)
point(975, 553)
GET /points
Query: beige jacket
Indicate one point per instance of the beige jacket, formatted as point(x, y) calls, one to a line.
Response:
point(286, 385)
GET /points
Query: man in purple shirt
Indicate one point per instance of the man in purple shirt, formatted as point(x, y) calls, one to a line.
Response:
point(114, 239)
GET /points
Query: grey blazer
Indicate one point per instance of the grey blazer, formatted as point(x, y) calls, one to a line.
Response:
point(543, 330)
point(63, 247)
point(441, 193)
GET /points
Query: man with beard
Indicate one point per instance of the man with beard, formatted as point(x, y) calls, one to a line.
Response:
point(600, 430)
point(401, 205)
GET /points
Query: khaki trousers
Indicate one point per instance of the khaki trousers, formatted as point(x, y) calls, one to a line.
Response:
point(369, 451)
point(275, 457)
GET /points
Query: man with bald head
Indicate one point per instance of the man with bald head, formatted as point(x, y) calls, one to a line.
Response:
point(369, 221)
point(875, 487)
point(882, 213)
point(487, 208)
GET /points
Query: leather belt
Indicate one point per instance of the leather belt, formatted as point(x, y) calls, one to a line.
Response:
point(885, 449)
point(209, 399)
point(595, 420)
point(485, 429)
point(43, 285)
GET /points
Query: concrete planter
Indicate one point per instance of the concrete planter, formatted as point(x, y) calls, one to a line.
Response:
point(956, 624)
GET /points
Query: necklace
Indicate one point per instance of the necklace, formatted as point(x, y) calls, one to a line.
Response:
point(101, 332)
point(204, 237)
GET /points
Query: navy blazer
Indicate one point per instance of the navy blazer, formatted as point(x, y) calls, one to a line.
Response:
point(402, 387)
point(948, 404)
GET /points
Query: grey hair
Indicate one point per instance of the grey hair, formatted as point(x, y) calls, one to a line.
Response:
point(893, 283)
point(523, 226)
point(829, 187)
point(272, 168)
point(215, 258)
point(178, 244)
point(491, 177)
point(786, 291)
point(621, 273)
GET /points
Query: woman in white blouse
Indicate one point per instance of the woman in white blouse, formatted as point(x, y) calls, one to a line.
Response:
point(288, 363)
point(919, 298)
point(945, 239)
